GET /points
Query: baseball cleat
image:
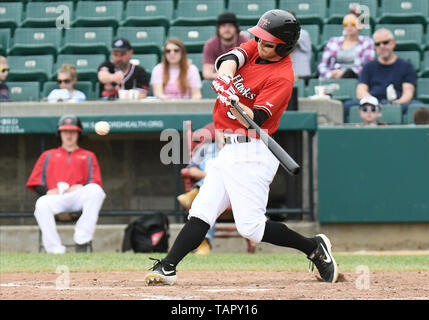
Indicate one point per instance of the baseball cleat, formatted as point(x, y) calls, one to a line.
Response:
point(324, 260)
point(161, 274)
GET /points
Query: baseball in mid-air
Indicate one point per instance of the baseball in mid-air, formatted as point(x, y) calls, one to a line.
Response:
point(102, 128)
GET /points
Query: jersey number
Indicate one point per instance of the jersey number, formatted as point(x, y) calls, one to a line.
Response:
point(230, 115)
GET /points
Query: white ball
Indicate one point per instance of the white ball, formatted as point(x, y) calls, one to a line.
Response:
point(102, 128)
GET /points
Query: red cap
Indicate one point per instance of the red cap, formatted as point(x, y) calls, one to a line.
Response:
point(260, 33)
point(69, 127)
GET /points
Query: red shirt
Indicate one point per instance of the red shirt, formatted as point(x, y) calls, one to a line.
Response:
point(56, 165)
point(267, 87)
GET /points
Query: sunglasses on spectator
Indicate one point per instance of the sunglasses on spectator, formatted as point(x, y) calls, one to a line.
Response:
point(369, 108)
point(66, 81)
point(377, 44)
point(351, 23)
point(172, 50)
point(4, 69)
point(267, 45)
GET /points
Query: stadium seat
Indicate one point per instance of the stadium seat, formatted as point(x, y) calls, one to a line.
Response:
point(207, 91)
point(88, 40)
point(86, 64)
point(423, 89)
point(30, 68)
point(336, 30)
point(411, 56)
point(249, 11)
point(98, 14)
point(11, 14)
point(307, 12)
point(146, 61)
point(32, 41)
point(148, 13)
point(200, 13)
point(339, 8)
point(424, 72)
point(144, 39)
point(409, 116)
point(300, 84)
point(403, 11)
point(4, 41)
point(346, 89)
point(24, 91)
point(84, 86)
point(194, 37)
point(314, 32)
point(390, 114)
point(197, 60)
point(409, 37)
point(46, 14)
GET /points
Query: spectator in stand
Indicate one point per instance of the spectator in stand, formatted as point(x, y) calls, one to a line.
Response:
point(175, 77)
point(66, 78)
point(120, 74)
point(370, 111)
point(227, 37)
point(390, 79)
point(421, 116)
point(344, 56)
point(301, 56)
point(67, 179)
point(4, 72)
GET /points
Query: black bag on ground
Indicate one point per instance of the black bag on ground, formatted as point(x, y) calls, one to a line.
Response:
point(147, 234)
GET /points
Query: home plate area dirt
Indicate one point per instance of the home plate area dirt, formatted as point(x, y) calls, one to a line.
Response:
point(213, 285)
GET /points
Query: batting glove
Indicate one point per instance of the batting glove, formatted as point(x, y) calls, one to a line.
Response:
point(222, 83)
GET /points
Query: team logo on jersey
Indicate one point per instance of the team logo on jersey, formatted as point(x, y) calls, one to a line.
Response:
point(269, 105)
point(237, 81)
point(81, 157)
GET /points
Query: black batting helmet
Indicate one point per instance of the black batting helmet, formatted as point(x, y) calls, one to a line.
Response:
point(278, 26)
point(69, 122)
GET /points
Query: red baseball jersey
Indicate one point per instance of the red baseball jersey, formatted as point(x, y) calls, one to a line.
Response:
point(267, 87)
point(56, 165)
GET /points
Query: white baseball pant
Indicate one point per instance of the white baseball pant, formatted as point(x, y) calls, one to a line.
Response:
point(239, 177)
point(89, 199)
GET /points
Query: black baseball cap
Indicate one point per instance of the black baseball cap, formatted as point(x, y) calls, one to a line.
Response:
point(121, 44)
point(226, 17)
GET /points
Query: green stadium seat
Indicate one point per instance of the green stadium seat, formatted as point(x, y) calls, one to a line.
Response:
point(146, 61)
point(336, 30)
point(403, 11)
point(11, 14)
point(199, 13)
point(390, 114)
point(24, 91)
point(32, 41)
point(339, 8)
point(314, 32)
point(197, 60)
point(300, 85)
point(249, 11)
point(207, 91)
point(84, 86)
point(45, 14)
point(86, 64)
point(144, 39)
point(88, 40)
point(4, 41)
point(409, 116)
point(98, 14)
point(30, 68)
point(194, 37)
point(423, 89)
point(307, 12)
point(346, 88)
point(409, 37)
point(148, 13)
point(424, 72)
point(411, 56)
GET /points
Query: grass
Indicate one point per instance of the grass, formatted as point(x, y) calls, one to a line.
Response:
point(36, 262)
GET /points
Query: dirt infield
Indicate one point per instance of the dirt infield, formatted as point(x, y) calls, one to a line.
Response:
point(214, 285)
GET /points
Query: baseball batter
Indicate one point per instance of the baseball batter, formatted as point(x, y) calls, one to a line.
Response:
point(260, 76)
point(68, 179)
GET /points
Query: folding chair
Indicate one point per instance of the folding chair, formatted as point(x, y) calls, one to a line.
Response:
point(221, 231)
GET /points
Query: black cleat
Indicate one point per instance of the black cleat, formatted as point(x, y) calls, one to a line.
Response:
point(161, 273)
point(324, 260)
point(83, 248)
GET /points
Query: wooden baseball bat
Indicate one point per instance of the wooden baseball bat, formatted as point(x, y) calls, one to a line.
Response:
point(286, 161)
